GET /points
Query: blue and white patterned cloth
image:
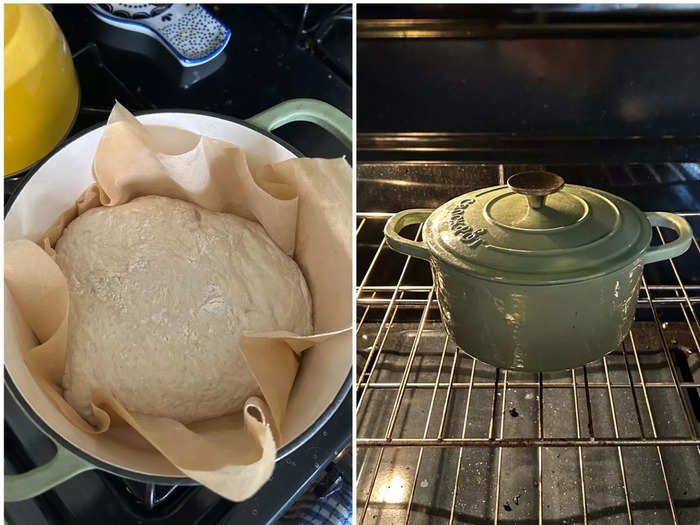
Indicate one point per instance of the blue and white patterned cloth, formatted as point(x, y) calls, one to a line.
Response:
point(332, 507)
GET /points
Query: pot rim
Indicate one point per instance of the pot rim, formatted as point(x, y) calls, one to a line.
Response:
point(36, 166)
point(115, 469)
point(483, 275)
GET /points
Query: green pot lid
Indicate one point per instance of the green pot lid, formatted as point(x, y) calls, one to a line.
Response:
point(537, 230)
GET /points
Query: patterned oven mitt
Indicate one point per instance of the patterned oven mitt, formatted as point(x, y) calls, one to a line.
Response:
point(188, 31)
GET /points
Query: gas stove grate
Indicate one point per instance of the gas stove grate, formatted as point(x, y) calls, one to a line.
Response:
point(427, 413)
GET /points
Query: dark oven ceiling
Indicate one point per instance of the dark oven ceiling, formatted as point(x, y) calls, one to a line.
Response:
point(528, 83)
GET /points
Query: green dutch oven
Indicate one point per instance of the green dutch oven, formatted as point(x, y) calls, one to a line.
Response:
point(534, 275)
point(119, 453)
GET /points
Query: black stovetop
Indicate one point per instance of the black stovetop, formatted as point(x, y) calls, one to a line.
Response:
point(275, 53)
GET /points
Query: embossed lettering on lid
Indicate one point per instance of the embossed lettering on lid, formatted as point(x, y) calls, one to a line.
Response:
point(537, 229)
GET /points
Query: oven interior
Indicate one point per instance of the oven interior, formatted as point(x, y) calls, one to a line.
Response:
point(443, 438)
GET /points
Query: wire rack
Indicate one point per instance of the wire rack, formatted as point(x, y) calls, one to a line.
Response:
point(444, 438)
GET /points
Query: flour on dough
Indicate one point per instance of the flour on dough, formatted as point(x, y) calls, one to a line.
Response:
point(160, 290)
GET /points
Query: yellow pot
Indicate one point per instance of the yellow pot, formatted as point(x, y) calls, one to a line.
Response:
point(41, 87)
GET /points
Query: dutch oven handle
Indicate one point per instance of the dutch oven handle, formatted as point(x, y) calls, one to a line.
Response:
point(671, 249)
point(317, 112)
point(401, 244)
point(63, 466)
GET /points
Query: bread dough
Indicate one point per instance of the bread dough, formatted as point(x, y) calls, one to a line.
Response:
point(160, 291)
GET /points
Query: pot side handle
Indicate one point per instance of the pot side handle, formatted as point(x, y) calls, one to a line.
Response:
point(673, 248)
point(63, 466)
point(311, 110)
point(398, 222)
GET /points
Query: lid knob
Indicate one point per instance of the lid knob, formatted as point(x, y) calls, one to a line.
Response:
point(535, 185)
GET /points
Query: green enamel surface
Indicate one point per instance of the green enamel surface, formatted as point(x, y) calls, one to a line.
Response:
point(537, 328)
point(63, 466)
point(579, 233)
point(311, 110)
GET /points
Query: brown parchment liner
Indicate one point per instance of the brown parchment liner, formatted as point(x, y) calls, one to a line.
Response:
point(305, 207)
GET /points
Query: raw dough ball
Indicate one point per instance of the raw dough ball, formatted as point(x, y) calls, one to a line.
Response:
point(160, 290)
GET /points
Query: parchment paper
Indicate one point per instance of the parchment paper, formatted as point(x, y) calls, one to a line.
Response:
point(305, 207)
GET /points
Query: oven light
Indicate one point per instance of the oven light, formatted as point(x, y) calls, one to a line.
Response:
point(394, 490)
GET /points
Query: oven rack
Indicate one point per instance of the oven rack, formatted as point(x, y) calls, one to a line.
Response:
point(629, 377)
